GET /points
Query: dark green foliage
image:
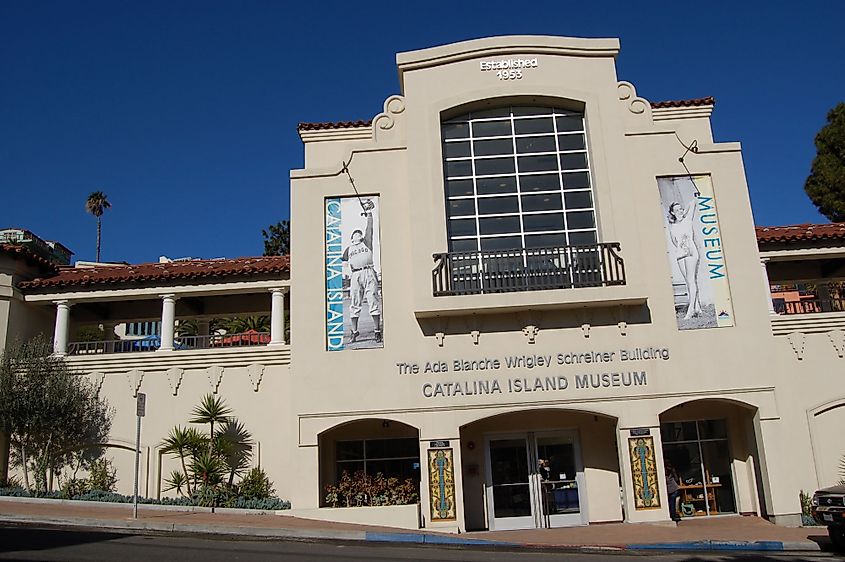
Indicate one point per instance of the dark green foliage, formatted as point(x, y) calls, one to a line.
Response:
point(277, 239)
point(54, 417)
point(256, 485)
point(826, 183)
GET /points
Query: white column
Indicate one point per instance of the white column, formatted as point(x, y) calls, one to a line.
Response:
point(768, 287)
point(61, 331)
point(168, 322)
point(277, 317)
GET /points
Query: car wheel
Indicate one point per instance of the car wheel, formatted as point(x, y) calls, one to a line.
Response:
point(837, 537)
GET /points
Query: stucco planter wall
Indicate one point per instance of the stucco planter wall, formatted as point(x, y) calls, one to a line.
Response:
point(397, 516)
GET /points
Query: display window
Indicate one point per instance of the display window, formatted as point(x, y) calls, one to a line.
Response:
point(700, 452)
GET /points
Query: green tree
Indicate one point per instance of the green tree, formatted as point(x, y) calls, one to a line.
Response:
point(826, 183)
point(54, 417)
point(96, 204)
point(241, 324)
point(182, 442)
point(277, 239)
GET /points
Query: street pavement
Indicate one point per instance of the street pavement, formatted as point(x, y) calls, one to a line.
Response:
point(38, 543)
point(726, 534)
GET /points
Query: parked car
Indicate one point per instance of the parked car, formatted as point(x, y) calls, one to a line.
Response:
point(828, 509)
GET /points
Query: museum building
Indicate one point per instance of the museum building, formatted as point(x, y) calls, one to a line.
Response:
point(522, 286)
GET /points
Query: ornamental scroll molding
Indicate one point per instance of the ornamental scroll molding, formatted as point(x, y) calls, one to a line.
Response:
point(96, 380)
point(837, 339)
point(797, 340)
point(215, 376)
point(255, 373)
point(174, 377)
point(628, 94)
point(384, 121)
point(135, 377)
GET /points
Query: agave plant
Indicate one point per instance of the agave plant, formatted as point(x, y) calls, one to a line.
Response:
point(207, 469)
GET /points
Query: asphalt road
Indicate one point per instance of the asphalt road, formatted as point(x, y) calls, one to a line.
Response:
point(38, 543)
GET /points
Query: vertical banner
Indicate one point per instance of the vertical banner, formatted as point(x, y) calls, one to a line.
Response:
point(353, 274)
point(644, 473)
point(696, 257)
point(441, 484)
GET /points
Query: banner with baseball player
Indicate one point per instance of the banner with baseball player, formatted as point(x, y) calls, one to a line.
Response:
point(353, 274)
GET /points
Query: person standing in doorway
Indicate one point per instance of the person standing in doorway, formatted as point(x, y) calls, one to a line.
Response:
point(673, 489)
point(363, 281)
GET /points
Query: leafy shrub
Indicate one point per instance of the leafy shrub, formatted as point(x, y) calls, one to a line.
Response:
point(361, 489)
point(256, 485)
point(102, 475)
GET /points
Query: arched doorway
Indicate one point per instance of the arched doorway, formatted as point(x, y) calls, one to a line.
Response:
point(371, 446)
point(540, 469)
point(712, 446)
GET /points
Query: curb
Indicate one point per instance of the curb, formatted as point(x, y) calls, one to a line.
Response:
point(742, 546)
point(405, 538)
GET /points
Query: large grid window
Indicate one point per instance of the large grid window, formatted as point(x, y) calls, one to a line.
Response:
point(517, 177)
point(395, 458)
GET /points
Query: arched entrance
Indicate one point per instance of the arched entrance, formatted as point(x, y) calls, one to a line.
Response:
point(712, 446)
point(371, 446)
point(540, 469)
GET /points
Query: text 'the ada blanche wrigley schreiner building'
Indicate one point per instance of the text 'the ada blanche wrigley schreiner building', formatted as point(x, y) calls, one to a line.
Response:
point(542, 288)
point(520, 285)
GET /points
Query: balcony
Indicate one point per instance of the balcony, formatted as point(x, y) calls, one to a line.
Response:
point(528, 269)
point(180, 343)
point(808, 307)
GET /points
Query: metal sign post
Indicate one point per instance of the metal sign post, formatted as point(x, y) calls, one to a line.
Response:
point(141, 409)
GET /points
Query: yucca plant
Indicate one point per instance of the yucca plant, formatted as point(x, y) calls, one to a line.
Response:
point(212, 409)
point(177, 481)
point(182, 442)
point(234, 445)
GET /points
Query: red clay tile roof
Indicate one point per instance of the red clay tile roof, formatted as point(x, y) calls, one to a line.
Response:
point(710, 100)
point(22, 252)
point(333, 125)
point(361, 123)
point(158, 272)
point(800, 232)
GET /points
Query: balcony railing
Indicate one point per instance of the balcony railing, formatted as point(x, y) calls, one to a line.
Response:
point(179, 343)
point(527, 269)
point(809, 306)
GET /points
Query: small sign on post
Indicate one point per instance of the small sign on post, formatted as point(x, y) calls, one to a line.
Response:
point(140, 411)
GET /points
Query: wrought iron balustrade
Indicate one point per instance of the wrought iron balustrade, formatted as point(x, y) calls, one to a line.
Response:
point(527, 269)
point(809, 306)
point(113, 346)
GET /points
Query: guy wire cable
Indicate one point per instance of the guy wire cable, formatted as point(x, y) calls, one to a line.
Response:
point(693, 147)
point(345, 170)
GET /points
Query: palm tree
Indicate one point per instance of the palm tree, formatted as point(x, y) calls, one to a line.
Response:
point(182, 442)
point(96, 204)
point(242, 324)
point(211, 410)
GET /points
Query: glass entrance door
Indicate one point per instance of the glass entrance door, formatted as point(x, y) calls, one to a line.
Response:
point(534, 480)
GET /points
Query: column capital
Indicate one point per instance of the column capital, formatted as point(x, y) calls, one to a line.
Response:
point(171, 296)
point(64, 302)
point(282, 290)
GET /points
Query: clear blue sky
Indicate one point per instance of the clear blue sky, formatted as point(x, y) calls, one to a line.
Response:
point(184, 112)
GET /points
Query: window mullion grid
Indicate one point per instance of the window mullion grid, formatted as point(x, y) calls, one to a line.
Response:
point(590, 176)
point(560, 179)
point(518, 187)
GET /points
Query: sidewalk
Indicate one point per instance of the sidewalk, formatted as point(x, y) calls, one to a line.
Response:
point(720, 533)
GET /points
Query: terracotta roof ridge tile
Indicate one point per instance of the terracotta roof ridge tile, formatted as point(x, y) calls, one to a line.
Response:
point(334, 125)
point(803, 231)
point(694, 102)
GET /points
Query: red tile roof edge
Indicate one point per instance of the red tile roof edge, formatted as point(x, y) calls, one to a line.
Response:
point(17, 250)
point(177, 270)
point(800, 232)
point(333, 125)
point(695, 102)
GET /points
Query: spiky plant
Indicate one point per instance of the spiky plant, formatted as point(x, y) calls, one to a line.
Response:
point(212, 409)
point(234, 444)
